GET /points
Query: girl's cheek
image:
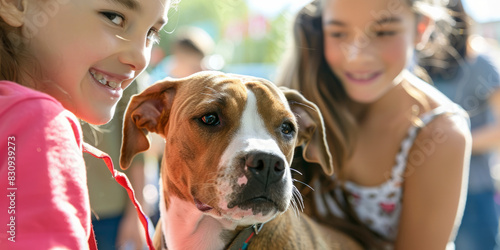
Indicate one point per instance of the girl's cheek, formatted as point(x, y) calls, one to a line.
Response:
point(394, 50)
point(333, 53)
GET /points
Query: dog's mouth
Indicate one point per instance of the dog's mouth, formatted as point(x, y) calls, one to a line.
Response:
point(202, 206)
point(258, 204)
point(258, 201)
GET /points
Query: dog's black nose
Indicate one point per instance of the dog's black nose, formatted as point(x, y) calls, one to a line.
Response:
point(265, 167)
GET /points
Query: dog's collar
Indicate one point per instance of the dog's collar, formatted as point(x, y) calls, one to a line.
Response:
point(243, 239)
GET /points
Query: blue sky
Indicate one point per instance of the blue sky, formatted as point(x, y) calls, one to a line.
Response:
point(480, 10)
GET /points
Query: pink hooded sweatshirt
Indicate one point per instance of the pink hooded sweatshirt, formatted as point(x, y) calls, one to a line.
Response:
point(44, 201)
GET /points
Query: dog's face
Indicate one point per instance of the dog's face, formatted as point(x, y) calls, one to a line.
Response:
point(229, 142)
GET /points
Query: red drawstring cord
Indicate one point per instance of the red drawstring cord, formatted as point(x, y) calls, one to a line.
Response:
point(122, 179)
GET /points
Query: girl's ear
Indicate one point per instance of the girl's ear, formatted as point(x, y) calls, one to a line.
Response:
point(13, 12)
point(425, 27)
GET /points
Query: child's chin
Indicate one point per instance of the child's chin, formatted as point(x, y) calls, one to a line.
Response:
point(98, 119)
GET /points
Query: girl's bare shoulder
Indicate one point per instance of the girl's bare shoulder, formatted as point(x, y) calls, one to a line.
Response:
point(452, 122)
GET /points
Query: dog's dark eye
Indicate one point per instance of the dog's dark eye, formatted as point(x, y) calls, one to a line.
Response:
point(286, 128)
point(210, 119)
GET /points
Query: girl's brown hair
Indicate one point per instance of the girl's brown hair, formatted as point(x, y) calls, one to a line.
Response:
point(306, 70)
point(443, 57)
point(11, 52)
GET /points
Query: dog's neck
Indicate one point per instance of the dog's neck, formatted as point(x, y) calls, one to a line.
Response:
point(186, 227)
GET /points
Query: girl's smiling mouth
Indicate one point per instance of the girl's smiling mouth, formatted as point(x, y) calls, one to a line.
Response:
point(362, 77)
point(105, 80)
point(110, 83)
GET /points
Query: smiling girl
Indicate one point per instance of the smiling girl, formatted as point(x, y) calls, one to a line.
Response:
point(60, 61)
point(401, 148)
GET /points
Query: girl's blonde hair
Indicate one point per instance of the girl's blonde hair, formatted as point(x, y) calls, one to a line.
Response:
point(306, 70)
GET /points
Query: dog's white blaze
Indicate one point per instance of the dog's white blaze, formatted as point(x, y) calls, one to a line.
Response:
point(251, 136)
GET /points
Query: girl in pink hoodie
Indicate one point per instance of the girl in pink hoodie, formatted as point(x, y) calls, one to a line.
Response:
point(60, 61)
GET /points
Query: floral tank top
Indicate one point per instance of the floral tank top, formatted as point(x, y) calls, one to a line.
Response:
point(379, 207)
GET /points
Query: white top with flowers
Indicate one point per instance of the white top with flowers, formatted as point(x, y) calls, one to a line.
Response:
point(379, 207)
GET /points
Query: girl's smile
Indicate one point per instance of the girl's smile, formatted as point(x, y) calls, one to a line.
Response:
point(112, 85)
point(363, 78)
point(114, 82)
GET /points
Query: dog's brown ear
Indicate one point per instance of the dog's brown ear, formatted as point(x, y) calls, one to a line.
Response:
point(146, 112)
point(311, 132)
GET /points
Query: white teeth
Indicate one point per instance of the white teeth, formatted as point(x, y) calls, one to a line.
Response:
point(113, 84)
point(362, 76)
point(102, 79)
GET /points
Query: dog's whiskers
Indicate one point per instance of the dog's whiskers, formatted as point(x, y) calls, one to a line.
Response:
point(293, 206)
point(301, 182)
point(299, 198)
point(296, 171)
point(297, 202)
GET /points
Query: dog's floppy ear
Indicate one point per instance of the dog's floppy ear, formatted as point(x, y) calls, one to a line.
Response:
point(311, 132)
point(146, 112)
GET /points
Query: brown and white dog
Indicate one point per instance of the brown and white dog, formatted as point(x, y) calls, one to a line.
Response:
point(229, 143)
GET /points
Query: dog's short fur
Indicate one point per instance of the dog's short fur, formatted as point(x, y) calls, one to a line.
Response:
point(229, 143)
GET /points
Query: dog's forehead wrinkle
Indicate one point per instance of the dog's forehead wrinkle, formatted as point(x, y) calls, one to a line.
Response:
point(211, 92)
point(223, 93)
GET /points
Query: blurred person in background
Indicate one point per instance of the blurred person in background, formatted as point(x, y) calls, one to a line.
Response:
point(189, 49)
point(470, 79)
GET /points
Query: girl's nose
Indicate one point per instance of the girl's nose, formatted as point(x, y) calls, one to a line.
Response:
point(135, 54)
point(358, 48)
point(353, 51)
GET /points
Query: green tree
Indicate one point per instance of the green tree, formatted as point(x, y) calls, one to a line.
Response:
point(222, 19)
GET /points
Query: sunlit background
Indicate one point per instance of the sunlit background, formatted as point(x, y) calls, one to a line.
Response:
point(251, 35)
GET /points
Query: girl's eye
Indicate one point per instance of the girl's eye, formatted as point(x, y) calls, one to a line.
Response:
point(153, 36)
point(115, 18)
point(385, 33)
point(337, 34)
point(210, 119)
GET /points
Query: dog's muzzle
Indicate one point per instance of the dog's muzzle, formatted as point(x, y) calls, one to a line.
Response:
point(268, 186)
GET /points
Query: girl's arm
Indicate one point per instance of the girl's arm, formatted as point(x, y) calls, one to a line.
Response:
point(435, 185)
point(487, 138)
